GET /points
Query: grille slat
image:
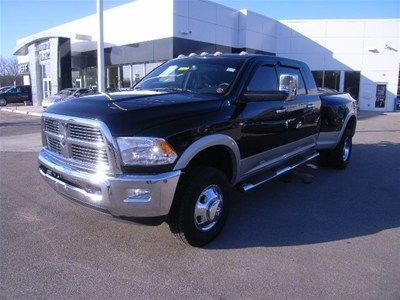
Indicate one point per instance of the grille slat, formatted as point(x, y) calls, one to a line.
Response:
point(89, 154)
point(52, 125)
point(54, 145)
point(89, 159)
point(73, 148)
point(86, 137)
point(85, 133)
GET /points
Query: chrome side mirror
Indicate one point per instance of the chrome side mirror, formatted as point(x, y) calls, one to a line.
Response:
point(289, 83)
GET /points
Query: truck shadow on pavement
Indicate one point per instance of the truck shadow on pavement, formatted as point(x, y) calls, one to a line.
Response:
point(361, 200)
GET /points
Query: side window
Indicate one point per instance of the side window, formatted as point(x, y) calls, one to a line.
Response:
point(18, 90)
point(264, 79)
point(295, 71)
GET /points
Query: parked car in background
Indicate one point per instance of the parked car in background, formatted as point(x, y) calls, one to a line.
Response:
point(66, 94)
point(17, 94)
point(5, 88)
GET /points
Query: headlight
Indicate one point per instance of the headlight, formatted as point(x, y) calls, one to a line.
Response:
point(145, 151)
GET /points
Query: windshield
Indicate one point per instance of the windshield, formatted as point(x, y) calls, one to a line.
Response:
point(199, 75)
point(66, 92)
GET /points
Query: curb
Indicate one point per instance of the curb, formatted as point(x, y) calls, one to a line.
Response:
point(30, 113)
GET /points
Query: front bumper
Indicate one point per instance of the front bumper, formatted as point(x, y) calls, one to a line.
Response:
point(111, 194)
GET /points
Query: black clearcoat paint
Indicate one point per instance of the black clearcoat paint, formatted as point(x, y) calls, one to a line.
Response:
point(183, 117)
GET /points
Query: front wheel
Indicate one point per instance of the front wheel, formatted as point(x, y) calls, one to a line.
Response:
point(3, 102)
point(201, 206)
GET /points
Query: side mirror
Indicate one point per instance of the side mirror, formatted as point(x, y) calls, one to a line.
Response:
point(265, 96)
point(289, 83)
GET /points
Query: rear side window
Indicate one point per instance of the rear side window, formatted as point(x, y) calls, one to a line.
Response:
point(264, 79)
point(286, 70)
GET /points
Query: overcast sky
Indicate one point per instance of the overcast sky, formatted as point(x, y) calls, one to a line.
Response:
point(20, 18)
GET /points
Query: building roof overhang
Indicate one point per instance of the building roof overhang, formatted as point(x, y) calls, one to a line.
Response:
point(22, 47)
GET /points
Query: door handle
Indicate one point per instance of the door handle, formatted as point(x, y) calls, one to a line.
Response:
point(281, 110)
point(310, 106)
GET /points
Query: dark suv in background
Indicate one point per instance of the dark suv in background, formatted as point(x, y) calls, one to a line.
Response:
point(17, 94)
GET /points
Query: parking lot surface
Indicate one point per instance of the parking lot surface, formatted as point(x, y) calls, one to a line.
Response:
point(338, 237)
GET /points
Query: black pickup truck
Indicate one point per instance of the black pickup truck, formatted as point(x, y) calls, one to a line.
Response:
point(173, 147)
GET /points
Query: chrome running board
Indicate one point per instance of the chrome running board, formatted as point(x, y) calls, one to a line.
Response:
point(265, 177)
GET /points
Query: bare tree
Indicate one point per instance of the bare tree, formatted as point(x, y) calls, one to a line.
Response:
point(9, 71)
point(3, 66)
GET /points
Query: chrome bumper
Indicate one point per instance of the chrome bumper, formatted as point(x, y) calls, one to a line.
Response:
point(116, 195)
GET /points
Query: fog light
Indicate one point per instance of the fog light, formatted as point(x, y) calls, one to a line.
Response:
point(137, 195)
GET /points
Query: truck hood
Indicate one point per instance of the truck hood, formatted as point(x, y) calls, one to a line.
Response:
point(128, 113)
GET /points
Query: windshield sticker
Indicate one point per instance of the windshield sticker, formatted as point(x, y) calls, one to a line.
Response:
point(168, 71)
point(220, 90)
point(184, 69)
point(231, 70)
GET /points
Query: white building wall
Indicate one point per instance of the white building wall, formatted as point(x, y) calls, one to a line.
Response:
point(137, 21)
point(343, 45)
point(206, 21)
point(257, 31)
point(210, 22)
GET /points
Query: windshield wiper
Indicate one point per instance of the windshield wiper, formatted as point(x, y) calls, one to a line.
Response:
point(161, 89)
point(174, 89)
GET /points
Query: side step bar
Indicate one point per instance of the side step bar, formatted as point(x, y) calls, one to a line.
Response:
point(261, 179)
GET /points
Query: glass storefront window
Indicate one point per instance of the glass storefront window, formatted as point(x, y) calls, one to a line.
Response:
point(126, 76)
point(319, 78)
point(332, 80)
point(151, 66)
point(112, 76)
point(327, 79)
point(90, 77)
point(352, 83)
point(138, 72)
point(76, 79)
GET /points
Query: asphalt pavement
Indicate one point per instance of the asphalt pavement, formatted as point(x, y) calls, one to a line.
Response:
point(338, 237)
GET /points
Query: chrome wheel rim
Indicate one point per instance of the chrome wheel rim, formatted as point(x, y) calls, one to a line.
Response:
point(2, 102)
point(346, 149)
point(208, 208)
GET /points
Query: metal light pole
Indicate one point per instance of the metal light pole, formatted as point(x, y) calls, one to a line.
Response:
point(100, 48)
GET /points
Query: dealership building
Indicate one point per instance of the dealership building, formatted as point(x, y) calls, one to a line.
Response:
point(361, 56)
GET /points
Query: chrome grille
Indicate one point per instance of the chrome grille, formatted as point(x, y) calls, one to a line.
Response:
point(85, 133)
point(54, 145)
point(95, 156)
point(77, 141)
point(51, 125)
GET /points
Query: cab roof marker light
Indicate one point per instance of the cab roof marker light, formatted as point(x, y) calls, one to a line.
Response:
point(181, 56)
point(243, 53)
point(192, 54)
point(204, 53)
point(218, 53)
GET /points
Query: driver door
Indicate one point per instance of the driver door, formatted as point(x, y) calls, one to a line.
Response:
point(264, 122)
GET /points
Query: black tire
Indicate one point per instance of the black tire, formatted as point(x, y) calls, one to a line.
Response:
point(3, 101)
point(339, 157)
point(182, 220)
point(323, 158)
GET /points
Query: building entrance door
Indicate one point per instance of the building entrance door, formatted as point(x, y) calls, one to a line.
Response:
point(46, 87)
point(380, 95)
